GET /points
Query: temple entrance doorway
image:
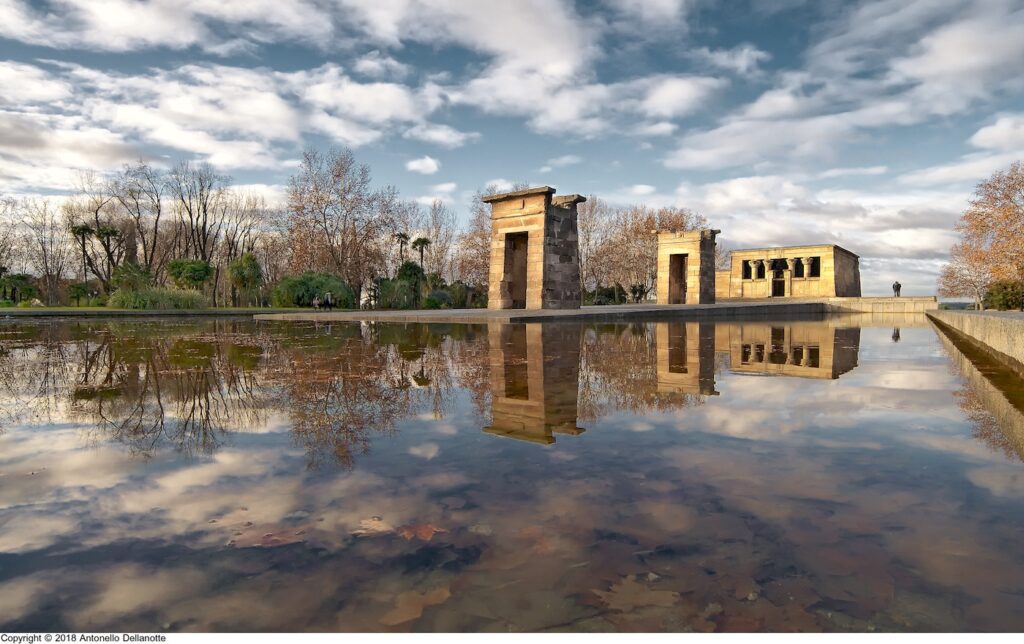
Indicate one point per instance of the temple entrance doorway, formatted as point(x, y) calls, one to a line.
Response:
point(516, 245)
point(677, 269)
point(778, 280)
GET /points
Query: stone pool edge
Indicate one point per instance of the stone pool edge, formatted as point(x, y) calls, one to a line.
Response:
point(1001, 332)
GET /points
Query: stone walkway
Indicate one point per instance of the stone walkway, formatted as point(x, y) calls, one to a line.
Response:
point(760, 309)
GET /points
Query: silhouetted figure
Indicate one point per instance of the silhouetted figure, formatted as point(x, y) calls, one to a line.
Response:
point(896, 334)
point(896, 286)
point(328, 301)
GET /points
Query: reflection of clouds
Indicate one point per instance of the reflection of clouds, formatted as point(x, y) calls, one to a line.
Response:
point(133, 588)
point(999, 480)
point(865, 490)
point(426, 450)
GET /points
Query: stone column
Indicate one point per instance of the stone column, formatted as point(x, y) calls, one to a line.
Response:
point(790, 266)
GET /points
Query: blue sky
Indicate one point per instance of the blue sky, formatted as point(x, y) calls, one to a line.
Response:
point(865, 124)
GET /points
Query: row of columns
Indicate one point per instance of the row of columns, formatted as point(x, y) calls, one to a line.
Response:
point(790, 263)
point(805, 359)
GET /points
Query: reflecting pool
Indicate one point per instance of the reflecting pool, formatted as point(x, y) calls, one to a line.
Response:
point(851, 473)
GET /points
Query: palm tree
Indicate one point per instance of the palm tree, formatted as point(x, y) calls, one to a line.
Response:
point(403, 239)
point(420, 244)
point(82, 232)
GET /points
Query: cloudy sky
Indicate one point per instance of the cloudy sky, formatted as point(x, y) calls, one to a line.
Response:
point(865, 124)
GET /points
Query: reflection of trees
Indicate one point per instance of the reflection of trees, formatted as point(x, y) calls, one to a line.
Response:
point(188, 386)
point(186, 391)
point(351, 382)
point(34, 366)
point(619, 371)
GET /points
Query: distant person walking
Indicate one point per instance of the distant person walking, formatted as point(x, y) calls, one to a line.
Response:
point(896, 334)
point(328, 301)
point(896, 286)
point(316, 302)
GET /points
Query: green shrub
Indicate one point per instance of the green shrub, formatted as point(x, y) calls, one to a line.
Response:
point(396, 294)
point(156, 299)
point(189, 273)
point(410, 272)
point(459, 293)
point(299, 290)
point(6, 304)
point(438, 299)
point(131, 277)
point(1005, 295)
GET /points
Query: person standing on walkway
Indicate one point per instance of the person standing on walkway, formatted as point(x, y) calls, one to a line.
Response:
point(328, 301)
point(896, 286)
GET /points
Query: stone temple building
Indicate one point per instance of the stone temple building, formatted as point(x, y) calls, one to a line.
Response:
point(795, 271)
point(535, 261)
point(535, 255)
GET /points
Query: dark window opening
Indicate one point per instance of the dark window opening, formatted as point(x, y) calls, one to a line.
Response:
point(760, 270)
point(813, 357)
point(778, 347)
point(745, 354)
point(815, 266)
point(759, 353)
point(798, 268)
point(798, 355)
point(746, 269)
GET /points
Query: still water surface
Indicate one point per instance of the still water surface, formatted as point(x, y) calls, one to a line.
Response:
point(233, 475)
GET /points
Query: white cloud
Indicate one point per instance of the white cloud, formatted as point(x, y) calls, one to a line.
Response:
point(640, 189)
point(1007, 133)
point(560, 162)
point(743, 59)
point(445, 188)
point(853, 172)
point(442, 135)
point(377, 65)
point(29, 84)
point(128, 25)
point(423, 165)
point(1003, 142)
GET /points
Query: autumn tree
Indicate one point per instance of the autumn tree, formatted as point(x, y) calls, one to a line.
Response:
point(991, 236)
point(629, 252)
point(993, 223)
point(967, 274)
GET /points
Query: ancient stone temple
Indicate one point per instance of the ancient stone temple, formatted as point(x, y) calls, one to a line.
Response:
point(686, 267)
point(796, 271)
point(535, 256)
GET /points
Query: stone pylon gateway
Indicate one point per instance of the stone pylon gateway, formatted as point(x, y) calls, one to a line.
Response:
point(686, 266)
point(535, 254)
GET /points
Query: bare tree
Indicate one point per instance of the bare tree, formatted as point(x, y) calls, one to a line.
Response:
point(140, 190)
point(592, 224)
point(440, 230)
point(200, 195)
point(104, 236)
point(46, 242)
point(338, 221)
point(968, 274)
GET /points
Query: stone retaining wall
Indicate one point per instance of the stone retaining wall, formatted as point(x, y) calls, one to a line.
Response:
point(1001, 331)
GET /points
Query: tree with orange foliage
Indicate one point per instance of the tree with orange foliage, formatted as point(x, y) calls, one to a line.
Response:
point(993, 224)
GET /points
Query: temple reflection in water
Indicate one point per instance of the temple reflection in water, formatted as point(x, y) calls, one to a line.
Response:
point(535, 368)
point(535, 372)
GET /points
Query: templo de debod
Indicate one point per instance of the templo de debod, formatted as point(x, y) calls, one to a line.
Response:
point(535, 261)
point(535, 253)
